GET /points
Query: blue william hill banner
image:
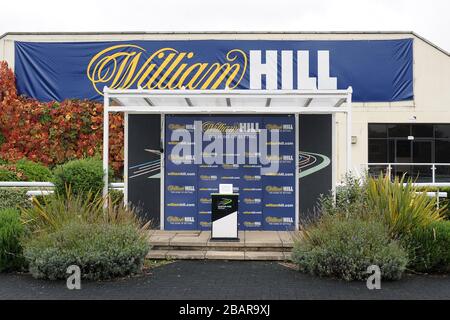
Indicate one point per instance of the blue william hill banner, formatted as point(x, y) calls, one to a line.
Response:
point(378, 70)
point(266, 197)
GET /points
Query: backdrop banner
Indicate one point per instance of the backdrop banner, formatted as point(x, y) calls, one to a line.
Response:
point(378, 70)
point(266, 189)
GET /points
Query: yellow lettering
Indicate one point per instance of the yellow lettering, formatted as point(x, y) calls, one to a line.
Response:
point(118, 67)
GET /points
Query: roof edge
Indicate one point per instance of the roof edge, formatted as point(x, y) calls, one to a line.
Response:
point(431, 43)
point(226, 32)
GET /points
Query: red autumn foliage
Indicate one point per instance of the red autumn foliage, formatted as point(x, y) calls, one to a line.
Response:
point(53, 132)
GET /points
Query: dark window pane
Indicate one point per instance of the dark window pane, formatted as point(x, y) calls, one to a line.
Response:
point(401, 170)
point(421, 173)
point(391, 150)
point(377, 150)
point(377, 130)
point(442, 130)
point(403, 151)
point(416, 173)
point(442, 151)
point(375, 171)
point(422, 130)
point(422, 151)
point(442, 173)
point(399, 130)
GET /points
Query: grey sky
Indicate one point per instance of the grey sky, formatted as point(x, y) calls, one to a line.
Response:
point(428, 18)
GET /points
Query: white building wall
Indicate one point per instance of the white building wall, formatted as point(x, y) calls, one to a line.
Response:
point(431, 79)
point(431, 99)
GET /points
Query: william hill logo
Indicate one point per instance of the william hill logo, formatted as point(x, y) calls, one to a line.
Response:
point(180, 189)
point(221, 126)
point(279, 220)
point(230, 166)
point(252, 178)
point(180, 220)
point(205, 200)
point(126, 66)
point(177, 158)
point(252, 200)
point(281, 127)
point(284, 158)
point(205, 177)
point(279, 189)
point(177, 126)
point(252, 224)
point(205, 224)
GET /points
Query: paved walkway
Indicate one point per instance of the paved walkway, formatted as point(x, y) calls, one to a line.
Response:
point(225, 280)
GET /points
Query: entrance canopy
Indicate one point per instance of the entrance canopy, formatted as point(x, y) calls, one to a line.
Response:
point(227, 101)
point(140, 101)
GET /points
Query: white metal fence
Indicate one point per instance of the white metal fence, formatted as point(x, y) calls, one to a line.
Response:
point(45, 188)
point(432, 174)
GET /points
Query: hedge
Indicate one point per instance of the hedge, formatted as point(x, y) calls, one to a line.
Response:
point(34, 171)
point(14, 198)
point(24, 170)
point(82, 175)
point(430, 248)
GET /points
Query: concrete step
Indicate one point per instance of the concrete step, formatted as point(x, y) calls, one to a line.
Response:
point(224, 247)
point(201, 240)
point(252, 245)
point(219, 255)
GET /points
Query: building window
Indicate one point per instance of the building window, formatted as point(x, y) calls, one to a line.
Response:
point(411, 147)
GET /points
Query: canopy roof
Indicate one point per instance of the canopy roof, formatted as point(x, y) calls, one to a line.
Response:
point(226, 101)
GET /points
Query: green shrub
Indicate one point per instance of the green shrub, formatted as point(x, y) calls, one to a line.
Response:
point(8, 175)
point(348, 198)
point(83, 176)
point(34, 171)
point(116, 196)
point(49, 214)
point(400, 205)
point(102, 251)
point(344, 247)
point(429, 247)
point(11, 231)
point(24, 170)
point(14, 198)
point(9, 172)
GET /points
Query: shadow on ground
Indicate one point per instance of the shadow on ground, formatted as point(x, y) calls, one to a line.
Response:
point(224, 280)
